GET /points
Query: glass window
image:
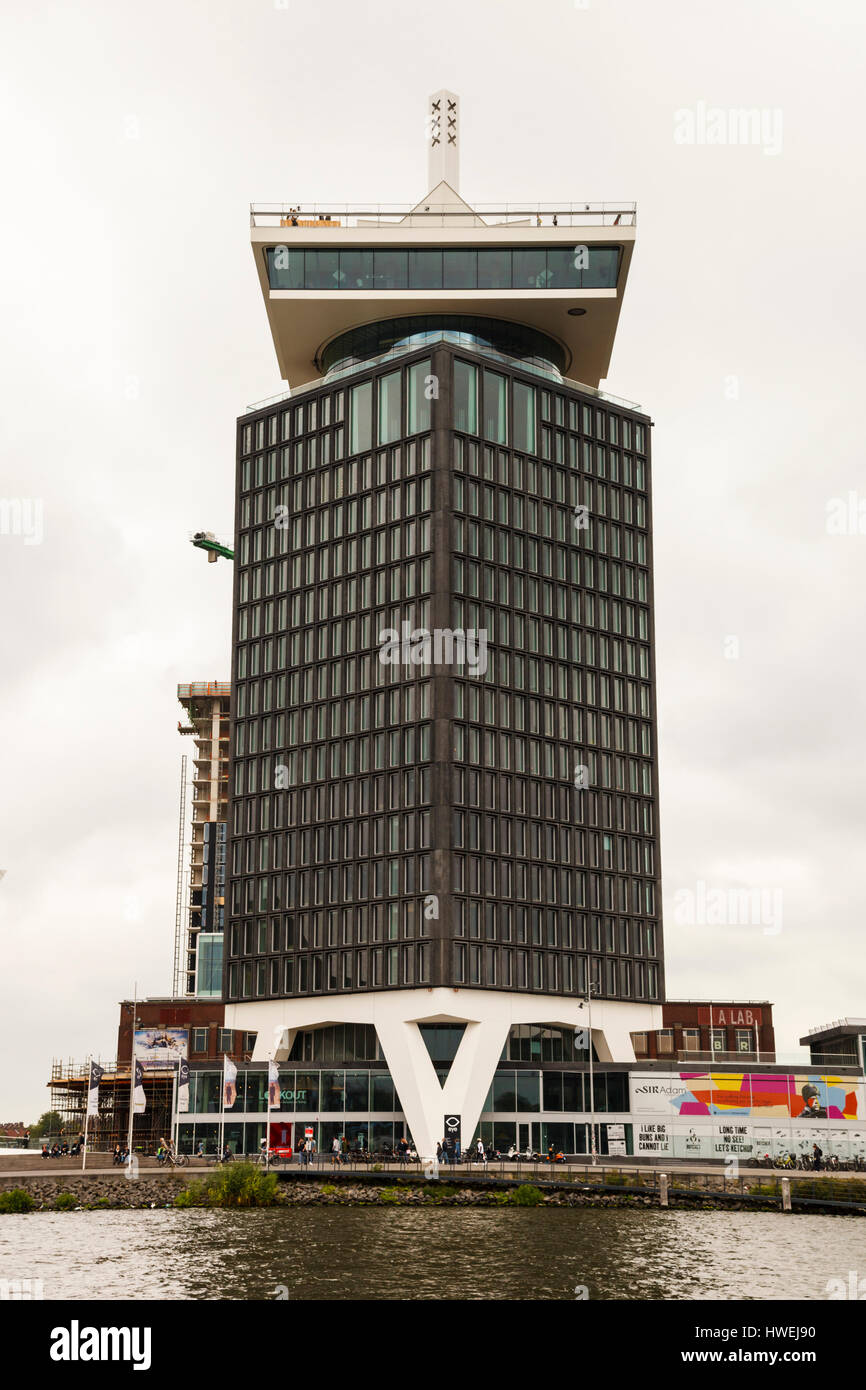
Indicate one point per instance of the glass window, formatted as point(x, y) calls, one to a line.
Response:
point(383, 1092)
point(419, 401)
point(600, 274)
point(285, 268)
point(357, 1090)
point(495, 420)
point(530, 269)
point(494, 269)
point(459, 269)
point(504, 1092)
point(321, 270)
point(563, 274)
point(425, 270)
point(356, 270)
point(390, 270)
point(360, 417)
point(390, 397)
point(528, 1088)
point(524, 417)
point(465, 397)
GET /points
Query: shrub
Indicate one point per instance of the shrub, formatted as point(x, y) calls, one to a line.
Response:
point(16, 1200)
point(237, 1185)
point(65, 1201)
point(390, 1195)
point(190, 1196)
point(328, 1189)
point(526, 1196)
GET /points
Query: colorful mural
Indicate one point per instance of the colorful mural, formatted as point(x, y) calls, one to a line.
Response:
point(792, 1095)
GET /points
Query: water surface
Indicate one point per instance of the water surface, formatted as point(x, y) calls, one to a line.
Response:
point(404, 1253)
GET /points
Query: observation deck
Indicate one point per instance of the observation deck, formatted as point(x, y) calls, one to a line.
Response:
point(559, 269)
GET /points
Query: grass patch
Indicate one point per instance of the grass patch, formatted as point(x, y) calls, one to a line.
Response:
point(390, 1196)
point(65, 1201)
point(833, 1189)
point(16, 1200)
point(237, 1185)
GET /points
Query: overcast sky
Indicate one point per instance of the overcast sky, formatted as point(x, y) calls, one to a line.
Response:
point(135, 138)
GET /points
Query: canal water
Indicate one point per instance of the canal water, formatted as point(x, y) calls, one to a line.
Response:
point(348, 1253)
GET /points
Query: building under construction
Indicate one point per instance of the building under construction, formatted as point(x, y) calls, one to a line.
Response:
point(198, 1029)
point(68, 1088)
point(198, 953)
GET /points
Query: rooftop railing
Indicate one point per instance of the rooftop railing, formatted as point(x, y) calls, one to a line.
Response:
point(681, 1057)
point(310, 216)
point(204, 688)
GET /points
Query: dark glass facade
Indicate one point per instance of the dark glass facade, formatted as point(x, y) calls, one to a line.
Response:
point(452, 268)
point(488, 823)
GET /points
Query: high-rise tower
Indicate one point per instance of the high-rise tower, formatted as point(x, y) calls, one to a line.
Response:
point(444, 801)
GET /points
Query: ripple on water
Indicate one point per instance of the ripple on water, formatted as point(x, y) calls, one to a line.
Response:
point(348, 1253)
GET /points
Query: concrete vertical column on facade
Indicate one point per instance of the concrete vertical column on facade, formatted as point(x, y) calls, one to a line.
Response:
point(214, 813)
point(441, 930)
point(654, 762)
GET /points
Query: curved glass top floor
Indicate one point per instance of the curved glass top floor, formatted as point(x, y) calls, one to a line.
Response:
point(389, 338)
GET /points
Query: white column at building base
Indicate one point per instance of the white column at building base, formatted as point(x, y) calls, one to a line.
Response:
point(488, 1016)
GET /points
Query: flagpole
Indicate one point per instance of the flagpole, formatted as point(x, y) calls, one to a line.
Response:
point(222, 1110)
point(132, 1071)
point(174, 1094)
point(86, 1112)
point(268, 1119)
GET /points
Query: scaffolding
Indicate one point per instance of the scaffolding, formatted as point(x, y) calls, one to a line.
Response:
point(69, 1086)
point(178, 972)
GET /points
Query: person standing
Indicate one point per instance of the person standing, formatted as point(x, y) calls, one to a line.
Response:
point(336, 1153)
point(817, 1155)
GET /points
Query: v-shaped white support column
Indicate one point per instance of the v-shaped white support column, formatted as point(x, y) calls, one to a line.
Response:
point(424, 1102)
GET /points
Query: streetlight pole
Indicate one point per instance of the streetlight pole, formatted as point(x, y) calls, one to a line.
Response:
point(591, 990)
point(593, 1146)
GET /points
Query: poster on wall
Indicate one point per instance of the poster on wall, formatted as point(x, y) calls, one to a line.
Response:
point(653, 1138)
point(733, 1140)
point(656, 1094)
point(806, 1096)
point(616, 1140)
point(857, 1140)
point(692, 1141)
point(160, 1047)
point(840, 1143)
